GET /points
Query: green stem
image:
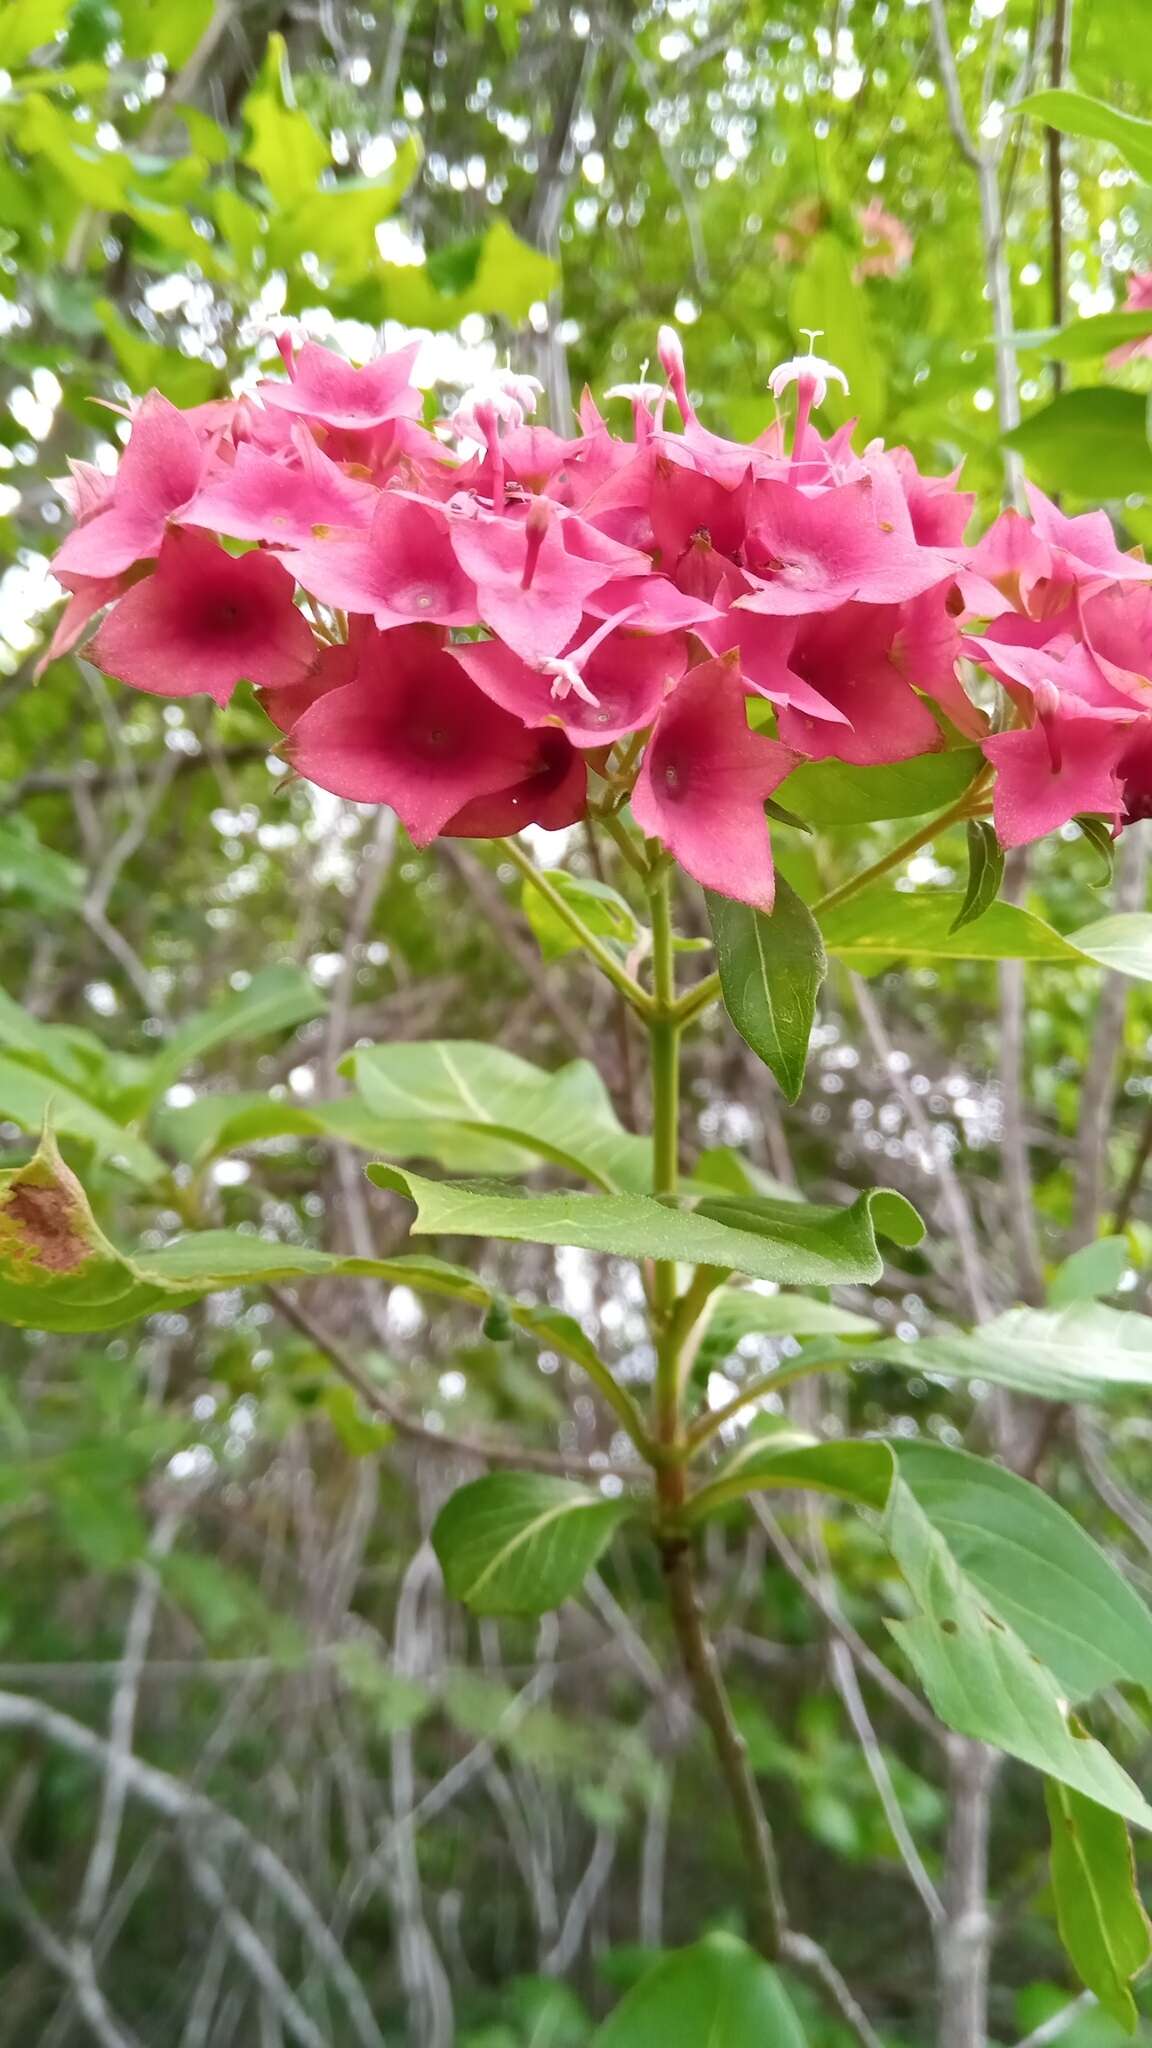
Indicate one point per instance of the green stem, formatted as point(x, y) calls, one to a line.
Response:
point(664, 1049)
point(629, 988)
point(707, 1425)
point(969, 805)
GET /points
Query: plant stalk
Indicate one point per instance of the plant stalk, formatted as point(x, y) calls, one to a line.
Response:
point(628, 987)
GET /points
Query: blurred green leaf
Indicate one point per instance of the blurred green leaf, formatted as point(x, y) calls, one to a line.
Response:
point(602, 909)
point(284, 147)
point(1099, 1910)
point(1092, 442)
point(520, 1542)
point(827, 299)
point(1074, 113)
point(882, 924)
point(1094, 1270)
point(476, 1108)
point(717, 1991)
point(835, 795)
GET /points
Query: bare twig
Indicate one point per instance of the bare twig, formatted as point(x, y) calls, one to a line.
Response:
point(121, 1728)
point(72, 1960)
point(866, 1658)
point(193, 1810)
point(253, 1953)
point(487, 1450)
point(964, 1936)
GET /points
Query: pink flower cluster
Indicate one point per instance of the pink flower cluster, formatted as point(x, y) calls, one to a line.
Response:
point(491, 624)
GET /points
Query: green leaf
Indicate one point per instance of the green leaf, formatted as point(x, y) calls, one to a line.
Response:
point(827, 297)
point(1099, 1910)
point(1098, 832)
point(475, 1108)
point(1084, 340)
point(738, 1312)
point(981, 1679)
point(284, 148)
point(603, 910)
point(1092, 442)
point(173, 27)
point(1122, 942)
point(1074, 113)
point(985, 873)
point(521, 1543)
point(797, 1243)
point(36, 872)
point(789, 1459)
point(276, 999)
point(1094, 1270)
point(1080, 1353)
point(1036, 1566)
point(58, 1271)
point(718, 1991)
point(771, 969)
point(495, 273)
point(836, 795)
point(29, 1097)
point(339, 226)
point(883, 924)
point(27, 26)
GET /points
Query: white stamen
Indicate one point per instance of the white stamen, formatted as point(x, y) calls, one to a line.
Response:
point(809, 368)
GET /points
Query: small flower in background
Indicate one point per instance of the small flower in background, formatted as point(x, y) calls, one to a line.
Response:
point(1138, 299)
point(801, 226)
point(887, 240)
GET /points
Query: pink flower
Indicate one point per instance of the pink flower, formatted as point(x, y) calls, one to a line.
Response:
point(703, 782)
point(531, 575)
point(554, 793)
point(1138, 299)
point(204, 621)
point(403, 570)
point(325, 388)
point(611, 683)
point(160, 472)
point(413, 731)
point(888, 237)
point(1043, 779)
point(847, 658)
point(287, 503)
point(810, 553)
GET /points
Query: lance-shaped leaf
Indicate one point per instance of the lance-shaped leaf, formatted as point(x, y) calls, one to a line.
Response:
point(1097, 831)
point(1081, 1353)
point(797, 1243)
point(1099, 1910)
point(770, 969)
point(718, 1991)
point(475, 1109)
point(521, 1543)
point(985, 873)
point(1076, 113)
point(981, 1678)
point(1096, 1269)
point(28, 1097)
